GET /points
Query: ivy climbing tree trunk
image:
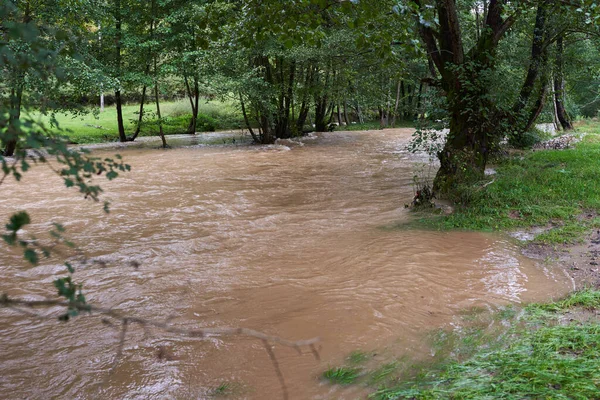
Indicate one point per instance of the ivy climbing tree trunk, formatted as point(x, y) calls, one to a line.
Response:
point(471, 110)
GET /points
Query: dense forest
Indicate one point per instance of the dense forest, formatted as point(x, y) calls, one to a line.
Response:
point(485, 70)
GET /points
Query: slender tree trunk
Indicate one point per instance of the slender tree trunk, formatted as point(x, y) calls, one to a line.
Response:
point(303, 114)
point(160, 127)
point(382, 118)
point(156, 97)
point(361, 119)
point(321, 114)
point(254, 137)
point(16, 99)
point(538, 106)
point(419, 97)
point(120, 125)
point(403, 94)
point(538, 51)
point(540, 100)
point(555, 120)
point(330, 111)
point(196, 104)
point(346, 119)
point(559, 87)
point(193, 97)
point(396, 104)
point(138, 126)
point(411, 94)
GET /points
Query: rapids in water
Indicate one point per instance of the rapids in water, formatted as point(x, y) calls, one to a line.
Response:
point(296, 242)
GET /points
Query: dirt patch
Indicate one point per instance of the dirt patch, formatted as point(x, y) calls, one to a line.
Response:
point(580, 315)
point(580, 261)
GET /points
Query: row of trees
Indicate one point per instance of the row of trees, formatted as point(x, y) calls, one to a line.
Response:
point(484, 69)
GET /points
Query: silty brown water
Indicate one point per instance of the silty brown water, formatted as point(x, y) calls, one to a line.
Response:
point(293, 243)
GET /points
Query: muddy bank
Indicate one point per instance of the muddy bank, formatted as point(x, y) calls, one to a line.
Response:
point(579, 261)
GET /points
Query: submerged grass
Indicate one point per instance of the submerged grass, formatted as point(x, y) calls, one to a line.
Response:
point(342, 375)
point(359, 357)
point(551, 188)
point(538, 353)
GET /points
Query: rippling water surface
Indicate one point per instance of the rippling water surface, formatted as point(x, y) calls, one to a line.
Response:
point(290, 242)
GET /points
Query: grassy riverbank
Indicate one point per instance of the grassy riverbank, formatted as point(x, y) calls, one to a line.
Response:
point(549, 351)
point(557, 190)
point(94, 126)
point(540, 351)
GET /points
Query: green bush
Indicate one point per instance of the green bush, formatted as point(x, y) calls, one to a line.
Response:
point(528, 139)
point(206, 123)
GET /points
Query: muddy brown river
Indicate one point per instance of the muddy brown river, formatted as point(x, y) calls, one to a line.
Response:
point(295, 243)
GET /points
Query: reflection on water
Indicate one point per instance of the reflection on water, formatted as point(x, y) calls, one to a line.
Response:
point(284, 241)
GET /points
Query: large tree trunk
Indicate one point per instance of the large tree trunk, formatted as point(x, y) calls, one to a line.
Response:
point(559, 87)
point(473, 129)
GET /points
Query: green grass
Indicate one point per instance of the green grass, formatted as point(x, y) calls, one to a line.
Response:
point(342, 375)
point(538, 355)
point(222, 390)
point(373, 125)
point(359, 357)
point(94, 126)
point(383, 373)
point(543, 188)
point(541, 360)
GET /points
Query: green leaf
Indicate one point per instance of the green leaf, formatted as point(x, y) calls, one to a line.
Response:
point(17, 221)
point(31, 256)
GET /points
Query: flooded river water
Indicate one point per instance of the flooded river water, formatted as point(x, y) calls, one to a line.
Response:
point(295, 243)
